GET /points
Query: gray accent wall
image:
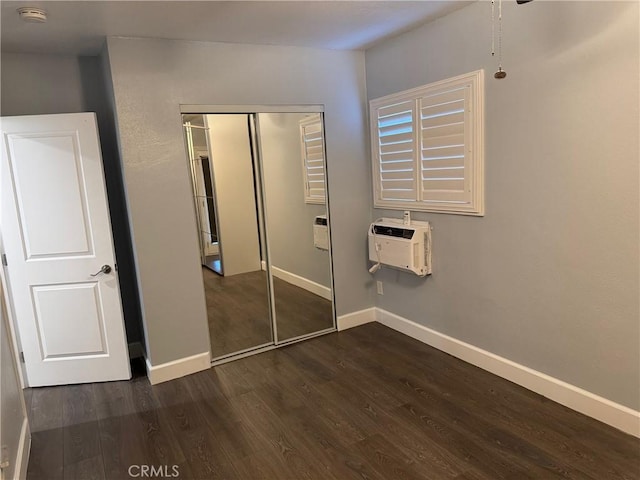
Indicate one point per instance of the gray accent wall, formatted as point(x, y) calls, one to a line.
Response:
point(114, 177)
point(151, 78)
point(35, 84)
point(549, 277)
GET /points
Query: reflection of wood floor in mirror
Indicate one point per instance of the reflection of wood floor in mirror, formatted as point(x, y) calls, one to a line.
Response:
point(299, 312)
point(238, 311)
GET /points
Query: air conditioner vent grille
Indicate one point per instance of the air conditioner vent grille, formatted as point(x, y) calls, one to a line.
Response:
point(405, 233)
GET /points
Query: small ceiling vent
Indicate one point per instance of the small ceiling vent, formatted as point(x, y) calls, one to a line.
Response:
point(32, 14)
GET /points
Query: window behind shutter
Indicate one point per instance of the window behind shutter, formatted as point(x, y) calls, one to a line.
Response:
point(312, 141)
point(395, 151)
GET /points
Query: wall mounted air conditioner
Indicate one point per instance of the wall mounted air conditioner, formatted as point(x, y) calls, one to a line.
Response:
point(321, 232)
point(405, 247)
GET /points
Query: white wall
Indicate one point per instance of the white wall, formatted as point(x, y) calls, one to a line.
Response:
point(237, 217)
point(150, 82)
point(549, 277)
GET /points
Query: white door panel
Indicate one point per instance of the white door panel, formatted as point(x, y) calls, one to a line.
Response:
point(69, 320)
point(57, 233)
point(53, 214)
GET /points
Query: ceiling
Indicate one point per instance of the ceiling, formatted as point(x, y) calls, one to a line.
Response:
point(79, 27)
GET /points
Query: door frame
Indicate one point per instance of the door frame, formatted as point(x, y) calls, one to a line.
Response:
point(14, 337)
point(6, 310)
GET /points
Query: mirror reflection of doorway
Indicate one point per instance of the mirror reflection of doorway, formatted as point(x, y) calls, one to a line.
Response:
point(260, 198)
point(234, 274)
point(211, 246)
point(203, 192)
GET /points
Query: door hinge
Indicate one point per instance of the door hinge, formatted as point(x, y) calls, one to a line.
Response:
point(22, 357)
point(4, 260)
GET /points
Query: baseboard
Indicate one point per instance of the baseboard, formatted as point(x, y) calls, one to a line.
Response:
point(24, 449)
point(305, 283)
point(178, 368)
point(135, 350)
point(590, 404)
point(355, 319)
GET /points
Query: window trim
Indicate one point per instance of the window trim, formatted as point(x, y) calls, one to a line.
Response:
point(475, 82)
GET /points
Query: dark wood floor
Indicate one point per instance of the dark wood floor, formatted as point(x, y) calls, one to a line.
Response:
point(367, 403)
point(238, 311)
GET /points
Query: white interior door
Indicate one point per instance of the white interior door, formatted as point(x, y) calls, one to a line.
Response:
point(57, 236)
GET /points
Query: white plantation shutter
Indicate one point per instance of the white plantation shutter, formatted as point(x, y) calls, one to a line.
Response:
point(427, 147)
point(312, 143)
point(443, 124)
point(396, 150)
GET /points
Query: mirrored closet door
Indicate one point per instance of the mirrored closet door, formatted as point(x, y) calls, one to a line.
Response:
point(260, 198)
point(293, 165)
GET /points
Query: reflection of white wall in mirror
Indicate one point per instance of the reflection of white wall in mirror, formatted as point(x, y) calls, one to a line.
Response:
point(290, 221)
point(235, 199)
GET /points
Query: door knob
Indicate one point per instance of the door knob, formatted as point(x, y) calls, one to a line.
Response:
point(104, 269)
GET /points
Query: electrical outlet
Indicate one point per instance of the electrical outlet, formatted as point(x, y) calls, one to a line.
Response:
point(379, 287)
